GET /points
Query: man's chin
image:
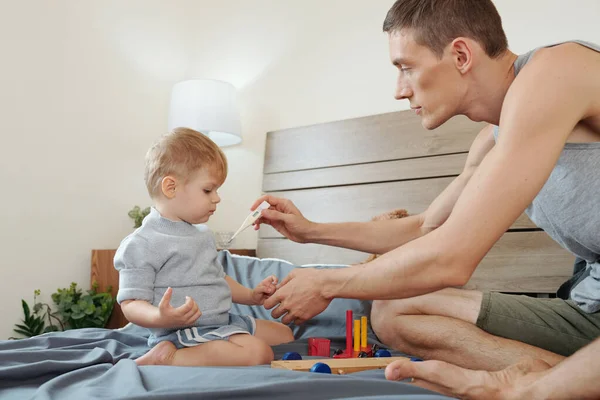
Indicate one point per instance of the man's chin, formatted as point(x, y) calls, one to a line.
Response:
point(427, 124)
point(431, 123)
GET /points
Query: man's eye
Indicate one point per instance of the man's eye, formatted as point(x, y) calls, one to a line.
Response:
point(207, 191)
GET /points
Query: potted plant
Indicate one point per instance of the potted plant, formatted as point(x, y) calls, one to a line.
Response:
point(74, 309)
point(138, 215)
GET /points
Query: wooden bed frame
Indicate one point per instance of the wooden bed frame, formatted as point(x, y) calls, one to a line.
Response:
point(355, 169)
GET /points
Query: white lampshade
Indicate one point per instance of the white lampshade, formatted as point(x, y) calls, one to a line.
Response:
point(207, 106)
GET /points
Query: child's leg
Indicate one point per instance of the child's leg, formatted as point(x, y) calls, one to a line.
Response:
point(273, 332)
point(240, 350)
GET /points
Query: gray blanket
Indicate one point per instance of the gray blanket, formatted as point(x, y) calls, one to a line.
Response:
point(98, 363)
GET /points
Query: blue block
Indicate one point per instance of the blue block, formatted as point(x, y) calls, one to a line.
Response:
point(321, 368)
point(415, 359)
point(382, 353)
point(291, 355)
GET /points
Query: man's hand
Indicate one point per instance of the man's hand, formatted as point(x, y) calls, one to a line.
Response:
point(285, 217)
point(514, 382)
point(184, 315)
point(264, 290)
point(299, 296)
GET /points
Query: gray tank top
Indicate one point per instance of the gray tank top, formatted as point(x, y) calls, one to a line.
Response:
point(568, 206)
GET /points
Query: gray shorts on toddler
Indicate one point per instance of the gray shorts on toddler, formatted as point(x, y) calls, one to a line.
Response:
point(193, 336)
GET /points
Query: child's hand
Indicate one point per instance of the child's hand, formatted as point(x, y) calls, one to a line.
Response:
point(184, 315)
point(264, 290)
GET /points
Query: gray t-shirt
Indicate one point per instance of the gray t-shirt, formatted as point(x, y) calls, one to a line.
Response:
point(568, 206)
point(164, 253)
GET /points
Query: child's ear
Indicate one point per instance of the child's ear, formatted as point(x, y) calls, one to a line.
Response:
point(168, 186)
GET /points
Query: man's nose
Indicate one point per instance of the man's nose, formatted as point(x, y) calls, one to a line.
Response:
point(402, 90)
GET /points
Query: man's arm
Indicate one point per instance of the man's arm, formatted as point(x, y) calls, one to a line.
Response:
point(536, 121)
point(382, 236)
point(574, 378)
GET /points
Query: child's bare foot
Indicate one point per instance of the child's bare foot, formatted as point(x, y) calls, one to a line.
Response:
point(161, 354)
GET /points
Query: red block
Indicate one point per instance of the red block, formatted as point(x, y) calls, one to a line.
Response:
point(319, 347)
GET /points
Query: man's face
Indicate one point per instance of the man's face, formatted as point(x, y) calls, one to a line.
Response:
point(431, 85)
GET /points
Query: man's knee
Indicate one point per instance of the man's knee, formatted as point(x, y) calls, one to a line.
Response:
point(384, 318)
point(400, 331)
point(381, 311)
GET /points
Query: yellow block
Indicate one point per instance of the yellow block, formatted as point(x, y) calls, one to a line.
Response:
point(363, 332)
point(356, 335)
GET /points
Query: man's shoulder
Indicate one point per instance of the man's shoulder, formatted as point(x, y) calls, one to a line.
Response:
point(572, 55)
point(560, 70)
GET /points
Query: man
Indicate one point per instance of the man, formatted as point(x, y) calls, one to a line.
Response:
point(453, 59)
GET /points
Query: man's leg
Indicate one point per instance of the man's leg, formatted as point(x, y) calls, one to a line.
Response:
point(441, 326)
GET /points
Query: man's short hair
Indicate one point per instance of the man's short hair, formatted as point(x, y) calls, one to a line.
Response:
point(436, 23)
point(181, 153)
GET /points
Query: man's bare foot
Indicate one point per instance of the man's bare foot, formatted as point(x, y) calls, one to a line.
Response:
point(161, 354)
point(448, 379)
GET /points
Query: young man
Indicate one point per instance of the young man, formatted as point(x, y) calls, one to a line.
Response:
point(452, 58)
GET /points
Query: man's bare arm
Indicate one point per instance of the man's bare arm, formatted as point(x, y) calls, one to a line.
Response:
point(382, 236)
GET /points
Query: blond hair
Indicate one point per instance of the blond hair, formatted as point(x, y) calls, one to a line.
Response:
point(180, 153)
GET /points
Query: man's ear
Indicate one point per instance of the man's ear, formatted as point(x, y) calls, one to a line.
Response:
point(462, 54)
point(168, 186)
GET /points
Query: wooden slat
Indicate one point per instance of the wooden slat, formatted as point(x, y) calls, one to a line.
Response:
point(414, 168)
point(523, 262)
point(384, 137)
point(362, 202)
point(104, 273)
point(520, 262)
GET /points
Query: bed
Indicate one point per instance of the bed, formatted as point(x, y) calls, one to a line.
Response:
point(339, 171)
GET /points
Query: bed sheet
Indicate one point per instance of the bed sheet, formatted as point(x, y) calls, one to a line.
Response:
point(98, 363)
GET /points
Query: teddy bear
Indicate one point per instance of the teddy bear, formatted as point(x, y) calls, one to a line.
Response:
point(394, 214)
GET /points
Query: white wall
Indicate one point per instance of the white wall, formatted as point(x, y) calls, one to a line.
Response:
point(85, 89)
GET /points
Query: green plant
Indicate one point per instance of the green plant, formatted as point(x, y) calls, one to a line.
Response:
point(34, 323)
point(138, 215)
point(83, 310)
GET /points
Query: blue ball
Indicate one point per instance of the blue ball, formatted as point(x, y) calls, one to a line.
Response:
point(321, 368)
point(382, 353)
point(291, 355)
point(415, 359)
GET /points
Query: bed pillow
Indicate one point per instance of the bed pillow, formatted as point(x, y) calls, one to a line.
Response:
point(250, 271)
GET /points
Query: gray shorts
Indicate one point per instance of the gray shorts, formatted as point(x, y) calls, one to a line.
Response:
point(193, 336)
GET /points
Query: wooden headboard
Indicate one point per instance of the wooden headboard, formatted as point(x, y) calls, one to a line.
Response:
point(355, 169)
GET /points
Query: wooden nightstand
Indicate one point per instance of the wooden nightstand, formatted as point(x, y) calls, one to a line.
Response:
point(104, 273)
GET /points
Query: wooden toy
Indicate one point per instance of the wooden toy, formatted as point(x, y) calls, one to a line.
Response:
point(337, 366)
